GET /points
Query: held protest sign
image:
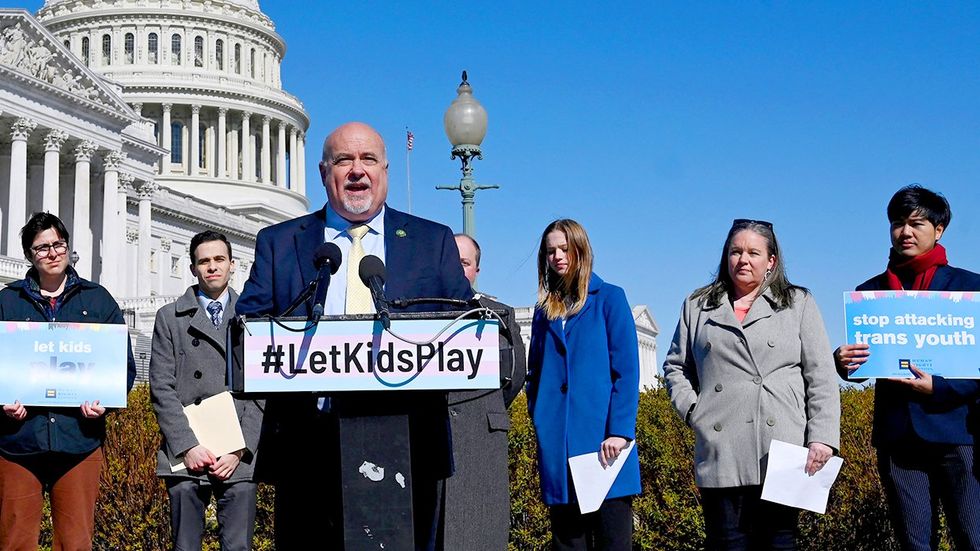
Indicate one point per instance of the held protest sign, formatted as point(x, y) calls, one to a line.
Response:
point(63, 364)
point(933, 330)
point(346, 355)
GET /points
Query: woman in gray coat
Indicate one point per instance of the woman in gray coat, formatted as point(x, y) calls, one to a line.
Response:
point(749, 363)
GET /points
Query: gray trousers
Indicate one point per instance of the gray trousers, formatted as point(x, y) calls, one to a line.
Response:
point(236, 513)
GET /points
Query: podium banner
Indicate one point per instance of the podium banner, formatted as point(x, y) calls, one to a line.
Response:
point(358, 355)
point(63, 364)
point(934, 330)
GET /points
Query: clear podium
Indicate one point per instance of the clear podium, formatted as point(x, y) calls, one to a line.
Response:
point(385, 394)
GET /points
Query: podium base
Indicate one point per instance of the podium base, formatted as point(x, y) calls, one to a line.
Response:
point(376, 480)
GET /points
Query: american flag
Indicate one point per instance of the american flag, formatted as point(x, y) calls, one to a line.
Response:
point(409, 139)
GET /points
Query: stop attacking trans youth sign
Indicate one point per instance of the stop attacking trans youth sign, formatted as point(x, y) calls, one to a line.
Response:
point(933, 330)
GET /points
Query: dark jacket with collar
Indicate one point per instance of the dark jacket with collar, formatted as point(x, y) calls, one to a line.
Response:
point(950, 415)
point(61, 429)
point(187, 366)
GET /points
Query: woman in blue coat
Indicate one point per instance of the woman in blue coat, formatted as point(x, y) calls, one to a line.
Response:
point(582, 389)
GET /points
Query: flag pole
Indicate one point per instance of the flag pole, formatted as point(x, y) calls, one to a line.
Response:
point(409, 143)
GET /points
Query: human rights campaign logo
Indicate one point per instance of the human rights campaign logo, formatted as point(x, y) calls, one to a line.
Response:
point(51, 393)
point(905, 364)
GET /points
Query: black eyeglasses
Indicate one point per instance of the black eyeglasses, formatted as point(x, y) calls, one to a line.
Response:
point(60, 248)
point(746, 221)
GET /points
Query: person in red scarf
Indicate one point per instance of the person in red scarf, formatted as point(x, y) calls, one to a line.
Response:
point(924, 428)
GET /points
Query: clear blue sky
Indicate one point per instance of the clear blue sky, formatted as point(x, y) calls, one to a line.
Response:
point(655, 124)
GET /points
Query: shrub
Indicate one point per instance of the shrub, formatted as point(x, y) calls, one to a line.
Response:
point(133, 511)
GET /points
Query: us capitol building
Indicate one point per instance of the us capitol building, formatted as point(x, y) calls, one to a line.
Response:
point(143, 122)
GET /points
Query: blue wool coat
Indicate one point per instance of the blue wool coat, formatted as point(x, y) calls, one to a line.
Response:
point(583, 387)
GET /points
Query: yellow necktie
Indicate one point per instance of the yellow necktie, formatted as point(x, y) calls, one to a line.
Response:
point(358, 295)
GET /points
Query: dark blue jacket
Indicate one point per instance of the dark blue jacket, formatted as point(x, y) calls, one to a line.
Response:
point(950, 414)
point(57, 429)
point(421, 260)
point(583, 383)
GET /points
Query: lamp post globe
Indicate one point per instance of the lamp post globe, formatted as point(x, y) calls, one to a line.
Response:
point(465, 120)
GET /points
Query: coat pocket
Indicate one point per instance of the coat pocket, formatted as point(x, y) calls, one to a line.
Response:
point(498, 421)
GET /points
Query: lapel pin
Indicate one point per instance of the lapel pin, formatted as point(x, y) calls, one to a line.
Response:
point(400, 232)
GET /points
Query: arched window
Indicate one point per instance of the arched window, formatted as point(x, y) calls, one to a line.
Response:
point(251, 62)
point(106, 49)
point(153, 45)
point(67, 43)
point(199, 51)
point(85, 50)
point(175, 49)
point(176, 143)
point(238, 59)
point(130, 47)
point(219, 54)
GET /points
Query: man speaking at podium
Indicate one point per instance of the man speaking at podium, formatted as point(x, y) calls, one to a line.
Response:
point(421, 261)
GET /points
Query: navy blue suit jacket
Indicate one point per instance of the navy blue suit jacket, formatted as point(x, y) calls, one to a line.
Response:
point(950, 414)
point(421, 260)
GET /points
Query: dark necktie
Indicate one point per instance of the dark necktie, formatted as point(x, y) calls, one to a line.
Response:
point(215, 310)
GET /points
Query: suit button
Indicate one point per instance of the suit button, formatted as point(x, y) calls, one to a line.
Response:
point(757, 380)
point(771, 343)
point(771, 422)
point(196, 342)
point(197, 374)
point(453, 412)
point(707, 347)
point(717, 427)
point(197, 402)
point(564, 388)
point(52, 419)
point(718, 387)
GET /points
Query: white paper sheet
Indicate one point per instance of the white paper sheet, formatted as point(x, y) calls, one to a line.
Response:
point(215, 424)
point(787, 481)
point(592, 481)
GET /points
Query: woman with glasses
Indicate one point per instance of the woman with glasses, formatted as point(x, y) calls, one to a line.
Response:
point(750, 363)
point(582, 389)
point(58, 450)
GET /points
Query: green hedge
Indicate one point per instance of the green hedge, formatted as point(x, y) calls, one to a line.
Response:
point(133, 511)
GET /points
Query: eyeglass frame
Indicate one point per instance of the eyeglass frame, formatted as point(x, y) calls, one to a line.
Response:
point(44, 249)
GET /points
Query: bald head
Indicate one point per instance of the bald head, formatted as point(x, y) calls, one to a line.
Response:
point(354, 171)
point(469, 256)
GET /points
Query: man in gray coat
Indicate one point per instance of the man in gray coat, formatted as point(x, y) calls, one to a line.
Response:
point(477, 497)
point(187, 366)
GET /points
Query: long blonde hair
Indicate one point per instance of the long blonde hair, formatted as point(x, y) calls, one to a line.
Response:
point(561, 296)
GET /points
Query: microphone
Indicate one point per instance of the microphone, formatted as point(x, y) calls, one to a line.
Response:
point(326, 259)
point(372, 272)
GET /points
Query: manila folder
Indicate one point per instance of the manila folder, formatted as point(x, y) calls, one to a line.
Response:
point(215, 424)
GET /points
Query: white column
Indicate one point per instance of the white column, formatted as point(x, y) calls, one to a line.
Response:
point(233, 155)
point(111, 259)
point(222, 143)
point(248, 157)
point(20, 130)
point(301, 164)
point(195, 155)
point(292, 159)
point(81, 233)
point(167, 140)
point(145, 191)
point(266, 151)
point(119, 232)
point(281, 156)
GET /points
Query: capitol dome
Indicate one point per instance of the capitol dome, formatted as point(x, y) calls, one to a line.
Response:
point(207, 74)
